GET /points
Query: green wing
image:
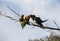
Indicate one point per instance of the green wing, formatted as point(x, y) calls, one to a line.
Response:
point(23, 24)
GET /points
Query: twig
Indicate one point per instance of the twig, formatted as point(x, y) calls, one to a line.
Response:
point(13, 11)
point(8, 17)
point(55, 24)
point(45, 27)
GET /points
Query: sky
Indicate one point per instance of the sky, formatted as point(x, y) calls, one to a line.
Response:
point(11, 30)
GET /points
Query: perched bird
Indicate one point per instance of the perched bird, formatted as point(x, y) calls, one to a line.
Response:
point(24, 21)
point(38, 20)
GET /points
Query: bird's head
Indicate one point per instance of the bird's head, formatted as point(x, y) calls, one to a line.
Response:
point(32, 16)
point(21, 18)
point(27, 18)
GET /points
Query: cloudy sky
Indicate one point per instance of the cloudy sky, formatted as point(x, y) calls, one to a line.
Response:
point(11, 30)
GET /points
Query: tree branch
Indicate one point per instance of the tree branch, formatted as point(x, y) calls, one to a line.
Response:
point(30, 23)
point(13, 10)
point(44, 27)
point(55, 23)
point(8, 17)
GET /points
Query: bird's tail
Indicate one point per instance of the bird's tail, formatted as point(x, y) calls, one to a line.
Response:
point(44, 20)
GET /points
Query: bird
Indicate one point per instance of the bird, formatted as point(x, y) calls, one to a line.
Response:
point(24, 21)
point(38, 20)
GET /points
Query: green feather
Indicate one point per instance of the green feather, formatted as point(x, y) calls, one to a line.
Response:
point(23, 24)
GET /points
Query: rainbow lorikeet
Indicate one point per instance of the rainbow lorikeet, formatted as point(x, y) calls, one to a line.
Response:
point(38, 20)
point(24, 21)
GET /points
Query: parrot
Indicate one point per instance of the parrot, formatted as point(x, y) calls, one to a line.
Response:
point(38, 20)
point(23, 21)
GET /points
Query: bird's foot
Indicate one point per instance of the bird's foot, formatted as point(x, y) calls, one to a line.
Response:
point(42, 27)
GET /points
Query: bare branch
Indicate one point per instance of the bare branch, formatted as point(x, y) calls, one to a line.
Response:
point(55, 23)
point(13, 11)
point(8, 17)
point(30, 23)
point(45, 27)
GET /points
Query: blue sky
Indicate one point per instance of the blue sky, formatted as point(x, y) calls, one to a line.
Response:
point(11, 30)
